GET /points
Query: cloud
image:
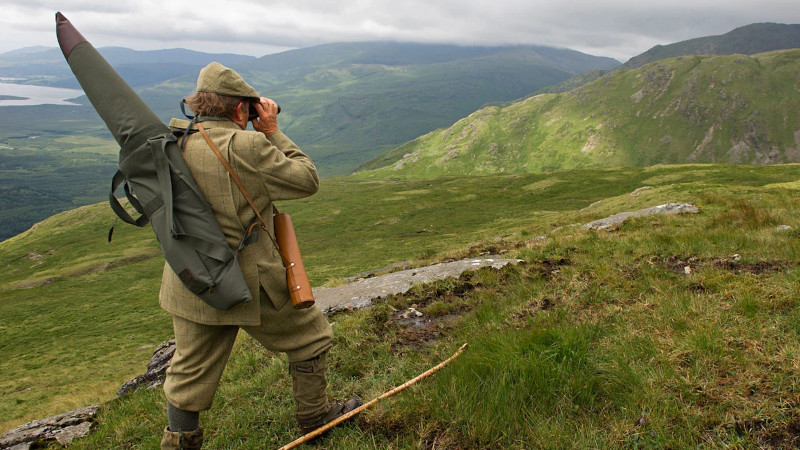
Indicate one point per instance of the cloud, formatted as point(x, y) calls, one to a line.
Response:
point(617, 28)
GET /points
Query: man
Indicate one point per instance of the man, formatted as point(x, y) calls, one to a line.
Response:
point(271, 168)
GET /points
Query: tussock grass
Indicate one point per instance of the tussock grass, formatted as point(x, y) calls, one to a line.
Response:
point(598, 340)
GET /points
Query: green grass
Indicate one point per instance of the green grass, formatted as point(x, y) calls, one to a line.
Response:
point(598, 340)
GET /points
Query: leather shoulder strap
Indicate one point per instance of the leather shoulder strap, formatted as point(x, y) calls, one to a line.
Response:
point(239, 183)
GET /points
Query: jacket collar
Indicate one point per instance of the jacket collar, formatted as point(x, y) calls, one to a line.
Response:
point(218, 122)
point(208, 122)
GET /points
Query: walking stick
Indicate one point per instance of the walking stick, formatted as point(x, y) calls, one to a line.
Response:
point(352, 413)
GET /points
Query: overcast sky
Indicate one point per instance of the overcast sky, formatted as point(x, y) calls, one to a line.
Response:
point(616, 28)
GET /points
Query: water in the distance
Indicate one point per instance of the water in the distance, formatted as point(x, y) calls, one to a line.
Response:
point(36, 95)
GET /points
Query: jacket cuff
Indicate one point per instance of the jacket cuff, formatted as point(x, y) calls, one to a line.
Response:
point(280, 140)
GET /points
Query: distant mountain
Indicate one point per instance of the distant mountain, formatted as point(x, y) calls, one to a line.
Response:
point(346, 103)
point(25, 51)
point(46, 65)
point(748, 40)
point(697, 109)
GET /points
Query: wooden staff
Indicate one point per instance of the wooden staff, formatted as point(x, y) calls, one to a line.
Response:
point(352, 413)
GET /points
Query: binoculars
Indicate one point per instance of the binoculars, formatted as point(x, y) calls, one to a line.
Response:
point(254, 114)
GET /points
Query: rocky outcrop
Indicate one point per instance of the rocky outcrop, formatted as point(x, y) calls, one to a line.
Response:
point(61, 429)
point(615, 221)
point(361, 294)
point(156, 370)
point(403, 265)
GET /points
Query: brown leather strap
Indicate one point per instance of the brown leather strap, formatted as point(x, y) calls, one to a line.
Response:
point(241, 188)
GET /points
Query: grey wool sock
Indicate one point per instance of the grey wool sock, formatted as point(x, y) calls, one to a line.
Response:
point(182, 420)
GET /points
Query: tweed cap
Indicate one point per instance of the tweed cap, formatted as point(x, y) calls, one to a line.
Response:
point(222, 80)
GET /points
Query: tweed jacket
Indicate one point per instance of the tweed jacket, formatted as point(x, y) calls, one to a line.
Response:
point(271, 168)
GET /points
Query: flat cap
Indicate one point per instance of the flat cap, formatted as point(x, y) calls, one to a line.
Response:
point(222, 80)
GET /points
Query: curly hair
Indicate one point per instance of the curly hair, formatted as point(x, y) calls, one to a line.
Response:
point(215, 105)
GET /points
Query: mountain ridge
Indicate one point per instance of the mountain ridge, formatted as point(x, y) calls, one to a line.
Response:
point(749, 39)
point(737, 109)
point(46, 65)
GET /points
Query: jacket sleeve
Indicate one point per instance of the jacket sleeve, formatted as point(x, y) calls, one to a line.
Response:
point(286, 172)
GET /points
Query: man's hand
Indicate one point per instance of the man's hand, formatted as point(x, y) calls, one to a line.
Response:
point(267, 121)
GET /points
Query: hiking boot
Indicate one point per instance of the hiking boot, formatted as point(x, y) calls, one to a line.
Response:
point(336, 409)
point(182, 440)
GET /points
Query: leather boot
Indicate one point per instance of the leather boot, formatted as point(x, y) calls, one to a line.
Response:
point(310, 393)
point(182, 440)
point(335, 409)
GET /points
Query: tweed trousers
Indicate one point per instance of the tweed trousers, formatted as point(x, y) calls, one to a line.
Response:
point(203, 350)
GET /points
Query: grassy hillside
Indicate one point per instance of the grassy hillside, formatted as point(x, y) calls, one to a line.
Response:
point(748, 40)
point(699, 109)
point(620, 346)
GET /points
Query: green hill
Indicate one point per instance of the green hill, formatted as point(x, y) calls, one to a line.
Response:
point(599, 340)
point(698, 109)
point(748, 40)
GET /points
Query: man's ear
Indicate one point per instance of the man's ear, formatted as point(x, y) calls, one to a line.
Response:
point(241, 111)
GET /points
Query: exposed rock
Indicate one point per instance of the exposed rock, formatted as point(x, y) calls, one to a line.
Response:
point(770, 155)
point(404, 265)
point(592, 205)
point(536, 240)
point(615, 221)
point(637, 191)
point(411, 312)
point(591, 144)
point(700, 150)
point(360, 294)
point(408, 157)
point(156, 369)
point(62, 429)
point(452, 154)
